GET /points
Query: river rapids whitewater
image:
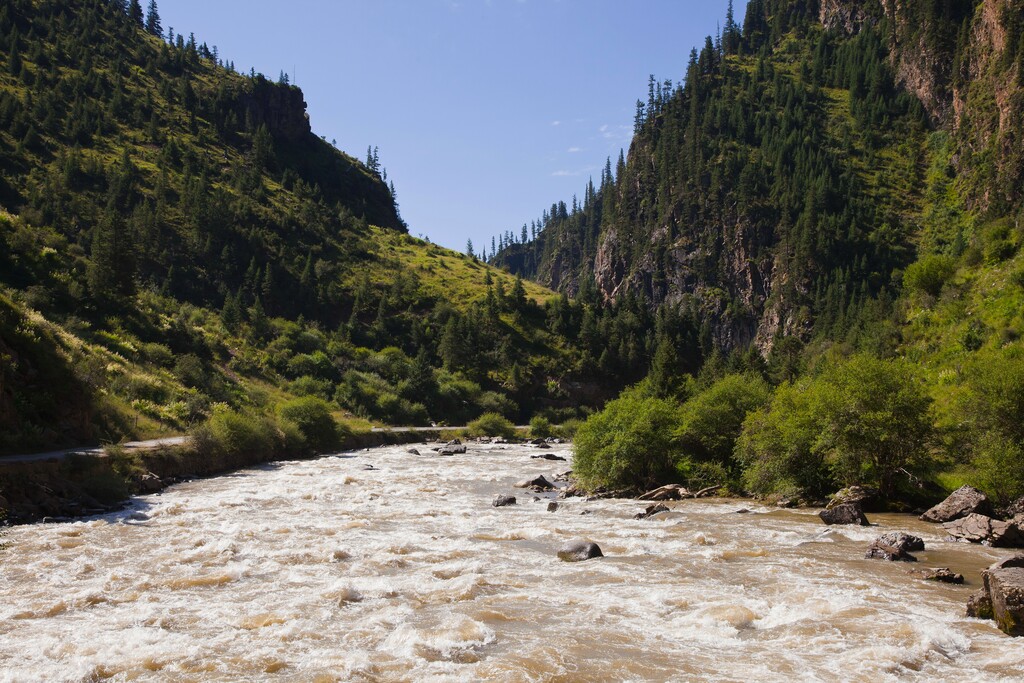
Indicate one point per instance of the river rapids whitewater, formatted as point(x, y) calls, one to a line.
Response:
point(328, 570)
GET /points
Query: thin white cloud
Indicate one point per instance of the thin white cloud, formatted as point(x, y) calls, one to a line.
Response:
point(563, 173)
point(556, 123)
point(573, 150)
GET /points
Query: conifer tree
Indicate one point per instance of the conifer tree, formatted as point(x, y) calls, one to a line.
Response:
point(111, 273)
point(135, 13)
point(153, 20)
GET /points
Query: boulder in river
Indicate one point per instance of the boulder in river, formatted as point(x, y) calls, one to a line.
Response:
point(538, 483)
point(943, 575)
point(966, 500)
point(579, 550)
point(552, 506)
point(844, 513)
point(977, 528)
point(503, 500)
point(413, 451)
point(651, 511)
point(865, 496)
point(150, 483)
point(1002, 598)
point(894, 547)
point(547, 456)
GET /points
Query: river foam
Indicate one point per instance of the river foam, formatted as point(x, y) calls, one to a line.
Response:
point(326, 570)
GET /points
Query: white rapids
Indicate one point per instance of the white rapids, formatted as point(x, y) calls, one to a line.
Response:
point(327, 570)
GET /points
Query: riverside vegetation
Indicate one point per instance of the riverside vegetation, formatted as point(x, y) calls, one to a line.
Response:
point(806, 270)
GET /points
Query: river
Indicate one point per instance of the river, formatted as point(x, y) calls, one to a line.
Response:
point(327, 570)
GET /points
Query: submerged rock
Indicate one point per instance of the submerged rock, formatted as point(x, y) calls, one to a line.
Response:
point(537, 484)
point(503, 500)
point(579, 550)
point(552, 506)
point(977, 528)
point(547, 456)
point(844, 513)
point(943, 575)
point(965, 501)
point(651, 511)
point(413, 451)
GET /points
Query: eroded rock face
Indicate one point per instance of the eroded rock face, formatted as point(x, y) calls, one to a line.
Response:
point(845, 513)
point(579, 550)
point(964, 501)
point(977, 528)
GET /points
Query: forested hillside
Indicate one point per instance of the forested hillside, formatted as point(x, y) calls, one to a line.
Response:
point(175, 242)
point(807, 157)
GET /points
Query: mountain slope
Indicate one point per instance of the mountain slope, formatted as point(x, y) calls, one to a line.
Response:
point(807, 159)
point(175, 241)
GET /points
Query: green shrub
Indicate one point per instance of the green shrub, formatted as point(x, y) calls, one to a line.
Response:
point(540, 427)
point(568, 428)
point(230, 438)
point(711, 421)
point(629, 444)
point(491, 424)
point(993, 408)
point(862, 421)
point(929, 274)
point(312, 416)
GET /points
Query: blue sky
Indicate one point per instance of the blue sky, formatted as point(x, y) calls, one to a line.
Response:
point(485, 111)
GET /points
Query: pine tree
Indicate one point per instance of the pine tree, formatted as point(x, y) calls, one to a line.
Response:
point(135, 13)
point(111, 273)
point(469, 248)
point(153, 20)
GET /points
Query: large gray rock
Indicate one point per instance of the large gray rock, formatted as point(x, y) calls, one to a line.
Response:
point(966, 500)
point(865, 496)
point(503, 500)
point(977, 528)
point(845, 513)
point(905, 542)
point(1004, 584)
point(579, 550)
point(895, 547)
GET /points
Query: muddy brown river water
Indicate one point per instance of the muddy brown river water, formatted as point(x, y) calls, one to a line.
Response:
point(328, 571)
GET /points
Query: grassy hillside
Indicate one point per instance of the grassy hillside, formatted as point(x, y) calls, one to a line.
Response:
point(175, 242)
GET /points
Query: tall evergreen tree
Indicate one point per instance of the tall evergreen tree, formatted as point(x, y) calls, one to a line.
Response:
point(153, 20)
point(135, 13)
